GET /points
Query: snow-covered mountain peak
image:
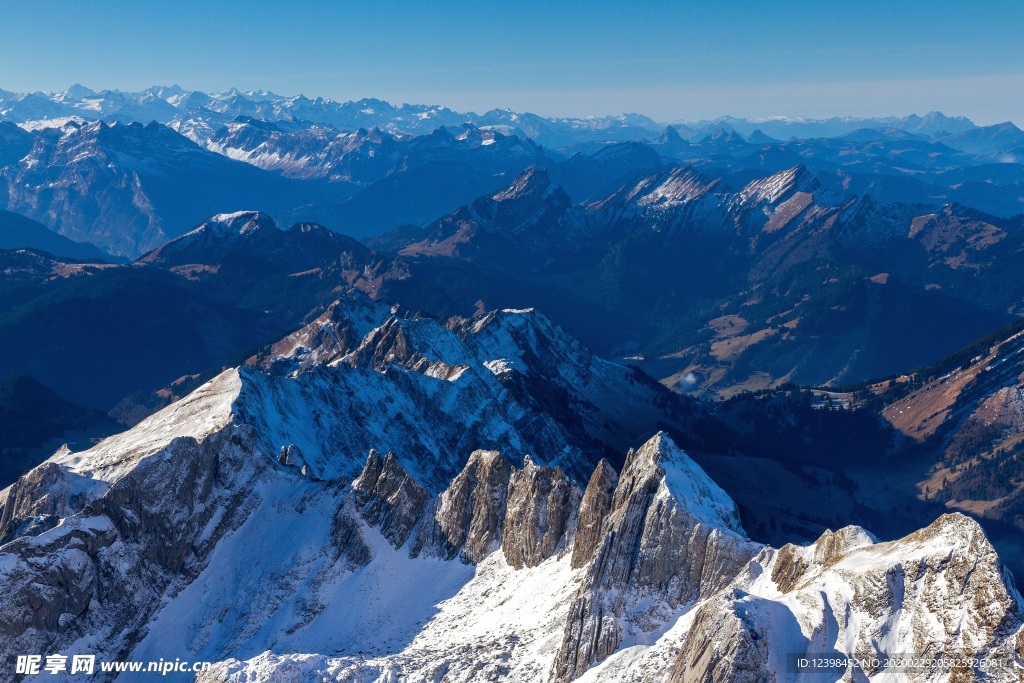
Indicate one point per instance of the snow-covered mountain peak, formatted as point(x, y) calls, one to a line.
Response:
point(249, 244)
point(670, 188)
point(684, 480)
point(529, 338)
point(952, 531)
point(363, 333)
point(207, 242)
point(531, 182)
point(780, 186)
point(952, 544)
point(416, 343)
point(328, 338)
point(833, 544)
point(76, 92)
point(508, 318)
point(404, 369)
point(238, 222)
point(442, 558)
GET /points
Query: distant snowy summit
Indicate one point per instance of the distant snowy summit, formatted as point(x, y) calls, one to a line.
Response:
point(167, 104)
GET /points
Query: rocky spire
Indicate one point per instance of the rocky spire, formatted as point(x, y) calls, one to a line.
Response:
point(540, 514)
point(467, 518)
point(670, 534)
point(597, 501)
point(389, 498)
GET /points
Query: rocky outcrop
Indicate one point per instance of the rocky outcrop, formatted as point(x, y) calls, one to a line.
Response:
point(939, 591)
point(395, 344)
point(540, 514)
point(388, 498)
point(721, 646)
point(671, 536)
point(530, 512)
point(594, 507)
point(792, 564)
point(346, 539)
point(467, 519)
point(106, 568)
point(324, 341)
point(291, 457)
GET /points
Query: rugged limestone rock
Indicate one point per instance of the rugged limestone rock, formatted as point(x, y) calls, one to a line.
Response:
point(792, 564)
point(389, 498)
point(721, 645)
point(644, 576)
point(671, 534)
point(938, 591)
point(468, 517)
point(594, 507)
point(107, 567)
point(540, 514)
point(395, 344)
point(433, 391)
point(291, 456)
point(327, 339)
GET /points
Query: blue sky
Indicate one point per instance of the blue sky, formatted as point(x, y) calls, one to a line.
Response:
point(670, 60)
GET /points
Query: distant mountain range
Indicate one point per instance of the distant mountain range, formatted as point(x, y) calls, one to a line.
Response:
point(201, 113)
point(128, 187)
point(713, 287)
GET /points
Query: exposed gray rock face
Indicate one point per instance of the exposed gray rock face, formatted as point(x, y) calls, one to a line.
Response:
point(671, 534)
point(389, 498)
point(467, 519)
point(531, 512)
point(291, 456)
point(722, 646)
point(597, 501)
point(792, 564)
point(347, 541)
point(327, 339)
point(104, 571)
point(540, 514)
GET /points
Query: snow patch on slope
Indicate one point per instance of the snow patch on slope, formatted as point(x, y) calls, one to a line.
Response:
point(498, 622)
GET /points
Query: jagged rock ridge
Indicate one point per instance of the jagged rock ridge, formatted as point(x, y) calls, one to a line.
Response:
point(395, 567)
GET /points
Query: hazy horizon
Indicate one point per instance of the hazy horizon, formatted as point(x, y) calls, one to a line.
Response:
point(481, 110)
point(669, 61)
